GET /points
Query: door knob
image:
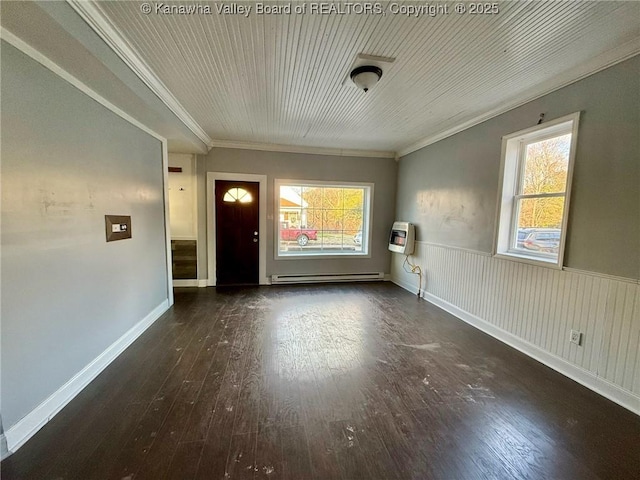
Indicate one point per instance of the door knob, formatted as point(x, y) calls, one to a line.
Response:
point(255, 240)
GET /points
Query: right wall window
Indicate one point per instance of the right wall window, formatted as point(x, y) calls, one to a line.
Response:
point(536, 170)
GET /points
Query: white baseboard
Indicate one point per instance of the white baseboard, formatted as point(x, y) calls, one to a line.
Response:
point(407, 286)
point(584, 377)
point(22, 431)
point(191, 283)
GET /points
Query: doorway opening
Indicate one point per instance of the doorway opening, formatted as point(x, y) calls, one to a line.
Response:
point(236, 229)
point(237, 235)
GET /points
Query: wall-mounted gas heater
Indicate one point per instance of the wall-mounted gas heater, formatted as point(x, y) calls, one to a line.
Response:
point(402, 238)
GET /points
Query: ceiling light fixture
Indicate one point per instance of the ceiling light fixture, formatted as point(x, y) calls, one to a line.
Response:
point(366, 76)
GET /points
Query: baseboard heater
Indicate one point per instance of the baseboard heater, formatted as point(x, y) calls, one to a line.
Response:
point(328, 277)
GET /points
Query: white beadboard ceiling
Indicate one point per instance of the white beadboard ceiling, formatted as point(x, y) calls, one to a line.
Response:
point(278, 79)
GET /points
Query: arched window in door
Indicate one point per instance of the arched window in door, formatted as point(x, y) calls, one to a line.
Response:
point(237, 195)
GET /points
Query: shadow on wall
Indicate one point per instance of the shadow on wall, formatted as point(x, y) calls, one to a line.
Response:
point(4, 450)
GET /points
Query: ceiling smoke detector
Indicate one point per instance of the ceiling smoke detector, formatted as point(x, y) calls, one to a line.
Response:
point(366, 76)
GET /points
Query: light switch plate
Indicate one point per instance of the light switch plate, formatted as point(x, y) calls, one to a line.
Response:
point(118, 227)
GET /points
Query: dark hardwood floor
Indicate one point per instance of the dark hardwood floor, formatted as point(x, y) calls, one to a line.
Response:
point(359, 381)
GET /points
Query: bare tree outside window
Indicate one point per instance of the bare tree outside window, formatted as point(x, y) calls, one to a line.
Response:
point(545, 172)
point(320, 219)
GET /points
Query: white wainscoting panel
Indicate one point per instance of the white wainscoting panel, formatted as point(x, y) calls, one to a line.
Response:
point(539, 306)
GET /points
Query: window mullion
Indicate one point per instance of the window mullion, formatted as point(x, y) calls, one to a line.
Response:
point(539, 195)
point(515, 211)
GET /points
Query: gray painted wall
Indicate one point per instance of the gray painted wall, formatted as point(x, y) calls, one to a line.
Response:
point(67, 294)
point(449, 189)
point(380, 171)
point(59, 33)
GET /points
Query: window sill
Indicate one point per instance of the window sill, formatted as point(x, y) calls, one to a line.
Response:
point(321, 256)
point(530, 259)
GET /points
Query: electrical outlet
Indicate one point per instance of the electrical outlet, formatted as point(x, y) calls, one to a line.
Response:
point(575, 337)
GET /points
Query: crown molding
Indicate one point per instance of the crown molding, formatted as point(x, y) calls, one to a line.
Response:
point(272, 147)
point(595, 65)
point(91, 13)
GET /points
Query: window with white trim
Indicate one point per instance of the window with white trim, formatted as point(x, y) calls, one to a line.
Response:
point(322, 219)
point(537, 164)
